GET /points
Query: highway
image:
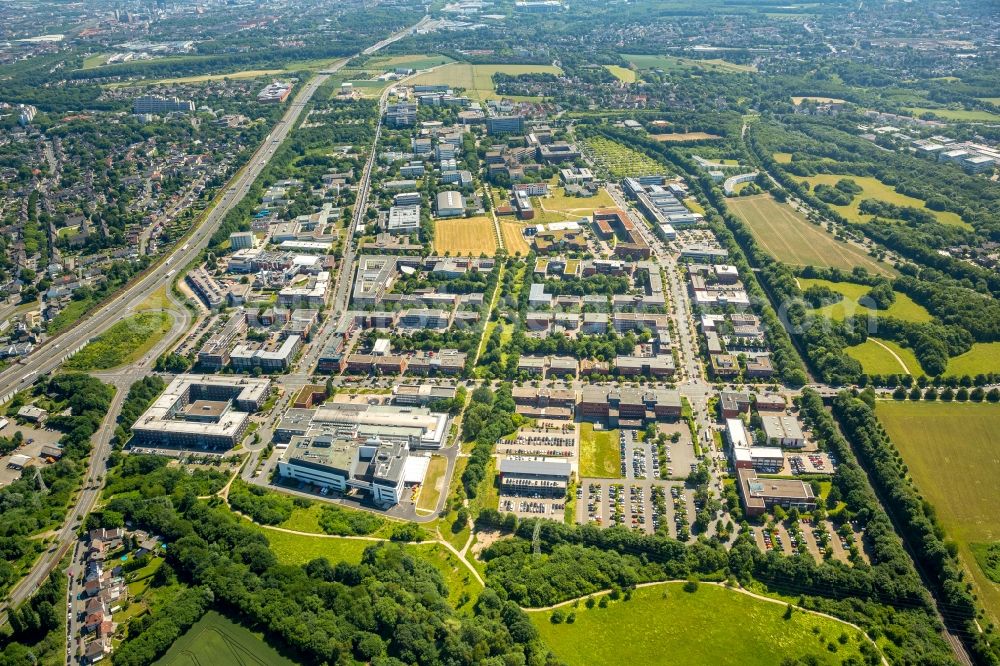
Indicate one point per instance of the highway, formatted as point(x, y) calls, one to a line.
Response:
point(51, 355)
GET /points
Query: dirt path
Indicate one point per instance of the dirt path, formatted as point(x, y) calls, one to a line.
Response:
point(894, 354)
point(741, 590)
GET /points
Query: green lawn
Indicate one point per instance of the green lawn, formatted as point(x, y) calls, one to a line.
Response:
point(873, 188)
point(300, 549)
point(662, 624)
point(877, 360)
point(983, 357)
point(599, 452)
point(430, 492)
point(413, 61)
point(477, 80)
point(215, 639)
point(958, 115)
point(904, 308)
point(123, 343)
point(951, 452)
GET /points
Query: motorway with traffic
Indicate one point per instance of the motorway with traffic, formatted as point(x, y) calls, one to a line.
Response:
point(49, 356)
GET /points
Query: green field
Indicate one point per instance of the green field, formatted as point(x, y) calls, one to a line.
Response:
point(599, 456)
point(984, 357)
point(876, 189)
point(668, 63)
point(412, 61)
point(215, 639)
point(300, 549)
point(433, 486)
point(787, 236)
point(877, 360)
point(958, 115)
point(662, 624)
point(619, 161)
point(477, 80)
point(951, 451)
point(622, 74)
point(782, 158)
point(123, 343)
point(904, 308)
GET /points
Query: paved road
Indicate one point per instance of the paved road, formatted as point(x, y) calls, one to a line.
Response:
point(51, 355)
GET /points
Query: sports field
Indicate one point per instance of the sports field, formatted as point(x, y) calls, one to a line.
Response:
point(873, 188)
point(215, 639)
point(952, 455)
point(904, 308)
point(599, 453)
point(477, 80)
point(621, 73)
point(884, 357)
point(513, 239)
point(984, 357)
point(123, 343)
point(686, 136)
point(668, 63)
point(464, 236)
point(790, 238)
point(663, 624)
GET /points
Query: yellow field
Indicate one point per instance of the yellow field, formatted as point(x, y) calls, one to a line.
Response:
point(782, 158)
point(685, 136)
point(785, 234)
point(465, 236)
point(876, 189)
point(621, 73)
point(477, 80)
point(513, 239)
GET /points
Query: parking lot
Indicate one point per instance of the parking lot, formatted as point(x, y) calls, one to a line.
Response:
point(548, 441)
point(543, 507)
point(34, 439)
point(641, 460)
point(816, 462)
point(643, 504)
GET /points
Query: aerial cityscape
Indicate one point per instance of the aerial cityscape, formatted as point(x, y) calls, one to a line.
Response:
point(500, 332)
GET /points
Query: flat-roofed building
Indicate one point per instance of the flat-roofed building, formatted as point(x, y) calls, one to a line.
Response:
point(369, 465)
point(421, 394)
point(759, 495)
point(450, 204)
point(403, 219)
point(627, 407)
point(214, 354)
point(783, 430)
point(201, 411)
point(531, 478)
point(733, 403)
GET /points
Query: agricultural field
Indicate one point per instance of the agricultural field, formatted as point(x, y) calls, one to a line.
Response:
point(411, 61)
point(215, 639)
point(599, 455)
point(950, 449)
point(513, 239)
point(623, 74)
point(789, 237)
point(663, 624)
point(957, 115)
point(984, 357)
point(884, 357)
point(619, 161)
point(203, 78)
point(123, 343)
point(464, 236)
point(873, 188)
point(668, 63)
point(433, 486)
point(685, 136)
point(477, 80)
point(904, 308)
